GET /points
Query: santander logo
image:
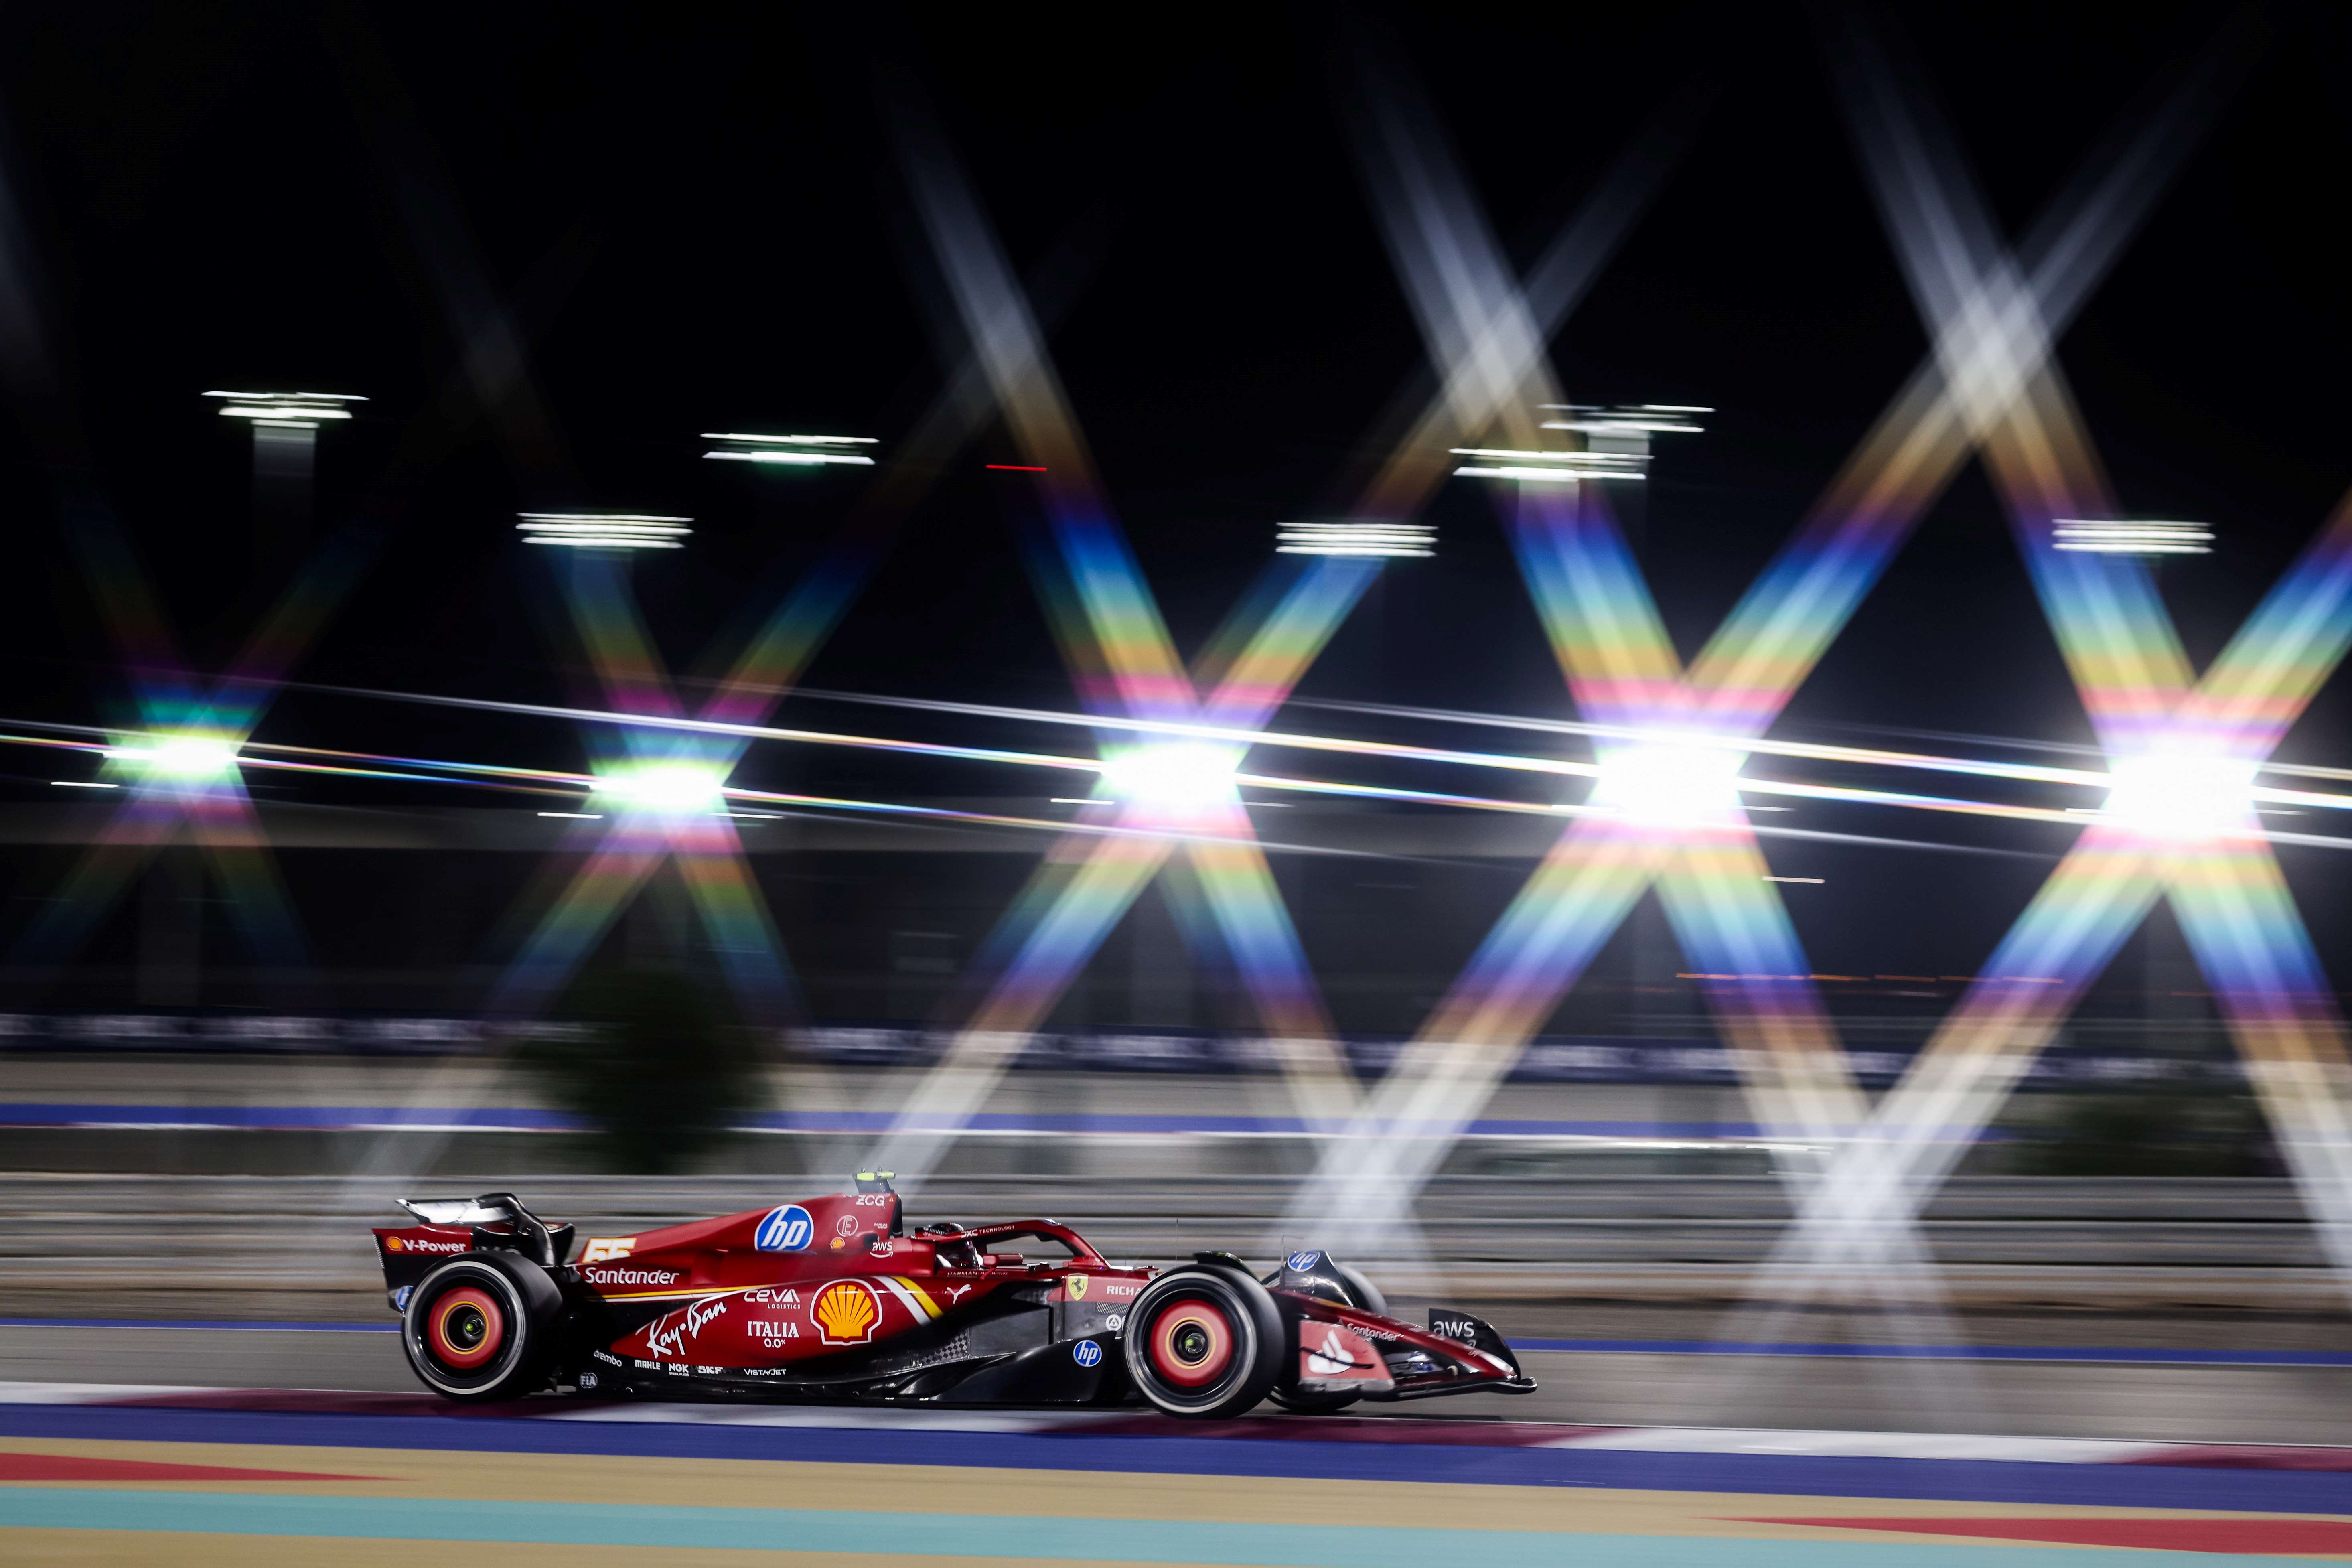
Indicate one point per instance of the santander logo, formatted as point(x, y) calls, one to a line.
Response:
point(631, 1275)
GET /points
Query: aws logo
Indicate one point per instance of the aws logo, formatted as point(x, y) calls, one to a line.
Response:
point(845, 1312)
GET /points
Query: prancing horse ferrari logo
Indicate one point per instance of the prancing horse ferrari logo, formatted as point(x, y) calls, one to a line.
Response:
point(1076, 1284)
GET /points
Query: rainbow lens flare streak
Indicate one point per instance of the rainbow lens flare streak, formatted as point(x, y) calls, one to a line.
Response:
point(180, 767)
point(1117, 648)
point(663, 790)
point(2180, 825)
point(2179, 822)
point(1163, 796)
point(1622, 672)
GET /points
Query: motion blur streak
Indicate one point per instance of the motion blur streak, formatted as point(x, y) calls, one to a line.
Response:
point(1244, 736)
point(2181, 822)
point(1124, 664)
point(1622, 671)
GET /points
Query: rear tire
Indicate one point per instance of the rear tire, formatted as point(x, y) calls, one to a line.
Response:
point(1203, 1341)
point(479, 1328)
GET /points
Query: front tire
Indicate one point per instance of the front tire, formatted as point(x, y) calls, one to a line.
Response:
point(1304, 1403)
point(478, 1328)
point(1203, 1341)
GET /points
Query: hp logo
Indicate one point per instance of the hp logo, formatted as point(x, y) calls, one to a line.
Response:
point(786, 1229)
point(1088, 1352)
point(1300, 1262)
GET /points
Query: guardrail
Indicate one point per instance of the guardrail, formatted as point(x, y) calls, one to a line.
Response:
point(1587, 1059)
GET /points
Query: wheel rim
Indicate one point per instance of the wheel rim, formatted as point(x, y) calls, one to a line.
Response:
point(1190, 1342)
point(465, 1328)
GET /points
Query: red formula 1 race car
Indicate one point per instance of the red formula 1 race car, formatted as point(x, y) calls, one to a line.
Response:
point(831, 1299)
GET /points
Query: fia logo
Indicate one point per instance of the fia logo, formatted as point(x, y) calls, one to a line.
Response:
point(787, 1228)
point(1300, 1262)
point(587, 1382)
point(1087, 1353)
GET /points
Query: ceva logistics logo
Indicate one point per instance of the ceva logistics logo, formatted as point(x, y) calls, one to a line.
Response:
point(787, 1228)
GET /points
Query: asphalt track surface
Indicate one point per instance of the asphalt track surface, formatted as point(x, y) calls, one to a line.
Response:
point(2295, 1400)
point(1796, 1461)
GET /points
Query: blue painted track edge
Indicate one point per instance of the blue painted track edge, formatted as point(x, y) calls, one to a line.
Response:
point(2223, 1489)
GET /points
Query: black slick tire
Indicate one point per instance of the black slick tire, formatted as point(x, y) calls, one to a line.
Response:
point(480, 1328)
point(1302, 1403)
point(1203, 1341)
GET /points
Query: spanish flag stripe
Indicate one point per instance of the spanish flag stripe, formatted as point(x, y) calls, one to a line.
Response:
point(917, 1302)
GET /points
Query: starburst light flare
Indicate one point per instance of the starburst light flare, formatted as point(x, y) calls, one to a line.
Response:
point(179, 770)
point(665, 791)
point(1126, 666)
point(2179, 821)
point(1622, 672)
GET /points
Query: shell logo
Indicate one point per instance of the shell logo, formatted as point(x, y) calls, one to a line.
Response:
point(844, 1312)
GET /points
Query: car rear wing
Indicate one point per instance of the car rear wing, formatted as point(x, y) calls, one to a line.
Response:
point(545, 1243)
point(491, 1209)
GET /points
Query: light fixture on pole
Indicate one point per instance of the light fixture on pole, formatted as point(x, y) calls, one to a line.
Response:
point(1595, 442)
point(2117, 537)
point(1355, 539)
point(285, 453)
point(792, 451)
point(604, 530)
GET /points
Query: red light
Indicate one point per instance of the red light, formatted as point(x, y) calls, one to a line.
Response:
point(1014, 468)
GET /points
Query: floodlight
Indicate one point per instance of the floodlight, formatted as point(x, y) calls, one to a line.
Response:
point(1354, 539)
point(671, 789)
point(1598, 441)
point(1558, 466)
point(2180, 796)
point(185, 757)
point(286, 410)
point(1669, 783)
point(603, 531)
point(1172, 777)
point(2119, 538)
point(792, 451)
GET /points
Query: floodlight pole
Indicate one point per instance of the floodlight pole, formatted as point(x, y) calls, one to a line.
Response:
point(285, 461)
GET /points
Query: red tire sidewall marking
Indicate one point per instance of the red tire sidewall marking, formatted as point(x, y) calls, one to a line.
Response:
point(436, 1329)
point(1170, 1320)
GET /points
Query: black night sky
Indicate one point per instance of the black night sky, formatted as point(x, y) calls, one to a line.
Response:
point(694, 219)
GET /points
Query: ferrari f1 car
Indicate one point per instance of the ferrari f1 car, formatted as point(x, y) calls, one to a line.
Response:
point(832, 1300)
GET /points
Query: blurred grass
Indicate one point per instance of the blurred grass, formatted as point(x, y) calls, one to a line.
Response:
point(659, 1071)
